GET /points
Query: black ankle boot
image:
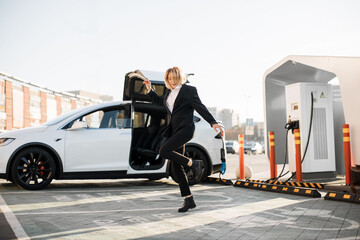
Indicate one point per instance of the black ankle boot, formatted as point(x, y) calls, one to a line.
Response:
point(188, 203)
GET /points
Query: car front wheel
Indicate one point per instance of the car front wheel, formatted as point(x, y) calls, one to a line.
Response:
point(195, 154)
point(33, 169)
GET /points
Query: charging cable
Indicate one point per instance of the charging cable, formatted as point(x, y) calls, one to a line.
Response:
point(285, 158)
point(223, 158)
point(308, 138)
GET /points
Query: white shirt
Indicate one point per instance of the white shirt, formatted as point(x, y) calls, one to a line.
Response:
point(172, 97)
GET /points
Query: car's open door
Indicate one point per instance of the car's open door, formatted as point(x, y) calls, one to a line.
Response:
point(134, 89)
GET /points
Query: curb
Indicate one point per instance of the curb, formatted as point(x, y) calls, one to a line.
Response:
point(279, 189)
point(344, 197)
point(218, 180)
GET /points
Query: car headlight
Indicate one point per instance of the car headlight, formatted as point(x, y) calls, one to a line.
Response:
point(5, 141)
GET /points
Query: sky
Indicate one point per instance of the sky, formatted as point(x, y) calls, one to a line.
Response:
point(228, 44)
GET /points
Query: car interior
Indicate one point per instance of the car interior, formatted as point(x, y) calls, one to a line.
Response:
point(148, 125)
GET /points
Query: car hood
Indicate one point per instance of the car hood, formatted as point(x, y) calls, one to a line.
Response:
point(13, 133)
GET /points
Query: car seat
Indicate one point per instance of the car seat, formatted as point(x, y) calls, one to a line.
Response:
point(151, 153)
point(147, 141)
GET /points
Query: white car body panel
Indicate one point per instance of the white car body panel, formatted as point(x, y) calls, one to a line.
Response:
point(161, 170)
point(90, 150)
point(38, 135)
point(205, 137)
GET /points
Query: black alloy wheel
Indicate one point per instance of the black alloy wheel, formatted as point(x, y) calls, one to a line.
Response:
point(33, 169)
point(195, 154)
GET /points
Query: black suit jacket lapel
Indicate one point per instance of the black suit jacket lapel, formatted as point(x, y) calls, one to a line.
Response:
point(168, 116)
point(179, 97)
point(166, 94)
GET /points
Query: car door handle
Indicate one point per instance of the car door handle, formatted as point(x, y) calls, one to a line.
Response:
point(57, 139)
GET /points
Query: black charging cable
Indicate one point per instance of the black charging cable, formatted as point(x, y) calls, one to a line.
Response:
point(308, 138)
point(285, 158)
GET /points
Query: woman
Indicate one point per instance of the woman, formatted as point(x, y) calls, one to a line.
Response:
point(180, 101)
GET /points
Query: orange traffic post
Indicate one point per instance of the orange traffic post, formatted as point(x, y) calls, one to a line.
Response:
point(241, 157)
point(273, 170)
point(298, 155)
point(347, 154)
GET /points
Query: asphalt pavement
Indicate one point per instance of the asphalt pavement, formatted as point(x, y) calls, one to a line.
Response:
point(143, 209)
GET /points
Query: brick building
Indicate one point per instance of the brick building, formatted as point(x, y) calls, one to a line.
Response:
point(23, 104)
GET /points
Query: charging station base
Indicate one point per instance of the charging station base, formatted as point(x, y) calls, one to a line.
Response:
point(317, 176)
point(355, 175)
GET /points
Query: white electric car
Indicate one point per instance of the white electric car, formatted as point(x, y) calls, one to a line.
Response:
point(106, 141)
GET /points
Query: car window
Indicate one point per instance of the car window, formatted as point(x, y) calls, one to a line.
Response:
point(114, 119)
point(93, 119)
point(251, 144)
point(140, 88)
point(141, 120)
point(107, 118)
point(123, 119)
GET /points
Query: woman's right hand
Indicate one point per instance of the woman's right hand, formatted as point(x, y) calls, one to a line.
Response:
point(147, 84)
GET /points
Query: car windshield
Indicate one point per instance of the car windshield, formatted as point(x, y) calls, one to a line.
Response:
point(229, 143)
point(62, 117)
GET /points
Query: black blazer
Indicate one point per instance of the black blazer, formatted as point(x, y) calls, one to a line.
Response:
point(182, 116)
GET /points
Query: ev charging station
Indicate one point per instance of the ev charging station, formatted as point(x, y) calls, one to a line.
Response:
point(297, 93)
point(311, 104)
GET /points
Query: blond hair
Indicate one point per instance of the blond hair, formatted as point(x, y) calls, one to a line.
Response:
point(176, 75)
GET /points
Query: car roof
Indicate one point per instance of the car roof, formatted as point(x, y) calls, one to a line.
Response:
point(103, 104)
point(153, 75)
point(82, 110)
point(147, 75)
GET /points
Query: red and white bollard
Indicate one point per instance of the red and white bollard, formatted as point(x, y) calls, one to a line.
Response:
point(241, 157)
point(347, 153)
point(273, 168)
point(298, 155)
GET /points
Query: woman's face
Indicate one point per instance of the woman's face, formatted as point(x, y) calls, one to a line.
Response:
point(173, 83)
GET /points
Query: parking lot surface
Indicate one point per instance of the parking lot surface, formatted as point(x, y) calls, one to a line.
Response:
point(143, 209)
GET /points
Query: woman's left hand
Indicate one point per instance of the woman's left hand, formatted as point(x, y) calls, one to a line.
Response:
point(220, 127)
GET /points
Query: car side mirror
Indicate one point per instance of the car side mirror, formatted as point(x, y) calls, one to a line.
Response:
point(79, 124)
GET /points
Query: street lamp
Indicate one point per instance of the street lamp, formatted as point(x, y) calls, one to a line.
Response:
point(246, 114)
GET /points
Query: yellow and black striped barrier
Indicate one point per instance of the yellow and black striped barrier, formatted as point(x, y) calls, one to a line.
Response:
point(293, 184)
point(344, 197)
point(304, 184)
point(218, 180)
point(278, 188)
point(256, 181)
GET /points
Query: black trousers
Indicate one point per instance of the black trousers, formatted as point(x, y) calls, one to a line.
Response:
point(174, 149)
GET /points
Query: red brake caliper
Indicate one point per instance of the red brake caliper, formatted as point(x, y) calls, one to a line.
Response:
point(42, 167)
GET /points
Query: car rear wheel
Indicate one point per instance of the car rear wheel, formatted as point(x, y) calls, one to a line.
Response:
point(33, 169)
point(195, 154)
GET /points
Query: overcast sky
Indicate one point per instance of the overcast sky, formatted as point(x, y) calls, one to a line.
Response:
point(228, 44)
